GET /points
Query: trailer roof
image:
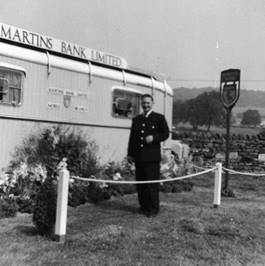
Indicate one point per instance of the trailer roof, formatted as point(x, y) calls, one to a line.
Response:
point(13, 67)
point(49, 46)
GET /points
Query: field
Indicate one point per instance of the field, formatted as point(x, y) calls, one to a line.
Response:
point(241, 110)
point(188, 231)
point(221, 130)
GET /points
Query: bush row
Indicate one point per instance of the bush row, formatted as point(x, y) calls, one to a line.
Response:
point(30, 182)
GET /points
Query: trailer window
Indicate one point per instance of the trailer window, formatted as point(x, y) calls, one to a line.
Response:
point(125, 104)
point(10, 86)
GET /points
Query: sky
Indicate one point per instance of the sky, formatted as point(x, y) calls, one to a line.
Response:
point(187, 42)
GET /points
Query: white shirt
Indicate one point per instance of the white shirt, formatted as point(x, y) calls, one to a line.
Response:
point(148, 113)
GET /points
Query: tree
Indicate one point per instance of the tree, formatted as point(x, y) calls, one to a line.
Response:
point(251, 118)
point(192, 115)
point(204, 110)
point(211, 109)
point(178, 111)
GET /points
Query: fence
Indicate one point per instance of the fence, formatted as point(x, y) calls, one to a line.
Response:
point(63, 187)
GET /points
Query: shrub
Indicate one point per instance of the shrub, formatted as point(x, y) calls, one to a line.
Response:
point(81, 192)
point(22, 183)
point(8, 207)
point(172, 168)
point(78, 193)
point(54, 143)
point(25, 204)
point(119, 171)
point(44, 213)
point(38, 156)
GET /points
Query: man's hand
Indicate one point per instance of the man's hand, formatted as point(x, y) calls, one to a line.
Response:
point(149, 139)
point(130, 159)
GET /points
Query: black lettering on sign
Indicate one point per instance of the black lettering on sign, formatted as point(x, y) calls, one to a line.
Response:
point(5, 34)
point(63, 48)
point(105, 58)
point(45, 42)
point(16, 36)
point(25, 37)
point(34, 39)
point(73, 50)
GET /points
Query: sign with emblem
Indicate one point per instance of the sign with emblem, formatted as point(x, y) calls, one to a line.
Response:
point(230, 87)
point(229, 94)
point(66, 101)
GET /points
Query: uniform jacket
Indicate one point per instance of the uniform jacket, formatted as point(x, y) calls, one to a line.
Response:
point(155, 124)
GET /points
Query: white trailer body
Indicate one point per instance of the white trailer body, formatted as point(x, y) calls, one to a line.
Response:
point(90, 90)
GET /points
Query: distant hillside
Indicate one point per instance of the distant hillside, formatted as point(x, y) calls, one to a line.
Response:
point(247, 97)
point(251, 98)
point(184, 94)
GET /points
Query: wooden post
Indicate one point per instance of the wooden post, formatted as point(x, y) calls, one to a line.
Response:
point(217, 185)
point(61, 209)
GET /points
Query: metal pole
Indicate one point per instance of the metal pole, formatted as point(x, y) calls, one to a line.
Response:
point(228, 114)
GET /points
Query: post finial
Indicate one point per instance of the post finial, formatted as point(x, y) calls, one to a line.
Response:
point(62, 165)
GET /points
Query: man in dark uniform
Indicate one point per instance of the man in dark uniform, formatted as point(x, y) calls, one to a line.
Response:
point(147, 131)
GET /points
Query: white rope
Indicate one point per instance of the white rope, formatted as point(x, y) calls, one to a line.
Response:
point(242, 173)
point(143, 182)
point(198, 167)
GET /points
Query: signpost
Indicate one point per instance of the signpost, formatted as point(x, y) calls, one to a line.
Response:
point(229, 93)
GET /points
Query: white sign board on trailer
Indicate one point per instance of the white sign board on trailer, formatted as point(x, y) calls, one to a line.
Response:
point(29, 38)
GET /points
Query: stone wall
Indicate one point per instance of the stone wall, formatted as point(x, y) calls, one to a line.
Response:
point(247, 153)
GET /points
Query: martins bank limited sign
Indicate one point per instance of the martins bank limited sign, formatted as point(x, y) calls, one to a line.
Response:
point(29, 38)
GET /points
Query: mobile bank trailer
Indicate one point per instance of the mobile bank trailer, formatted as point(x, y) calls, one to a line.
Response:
point(46, 81)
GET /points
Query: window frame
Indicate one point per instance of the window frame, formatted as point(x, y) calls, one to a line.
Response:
point(13, 70)
point(128, 90)
point(4, 91)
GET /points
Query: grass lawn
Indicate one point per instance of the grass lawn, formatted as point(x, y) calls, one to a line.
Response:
point(188, 231)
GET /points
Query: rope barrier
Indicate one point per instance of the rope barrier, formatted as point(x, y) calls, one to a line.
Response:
point(203, 168)
point(243, 173)
point(143, 182)
point(199, 167)
point(63, 187)
point(230, 170)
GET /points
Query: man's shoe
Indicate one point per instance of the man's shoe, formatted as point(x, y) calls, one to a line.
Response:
point(151, 214)
point(148, 214)
point(142, 211)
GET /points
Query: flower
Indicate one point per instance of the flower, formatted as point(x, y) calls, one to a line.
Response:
point(117, 176)
point(40, 172)
point(103, 185)
point(4, 179)
point(21, 171)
